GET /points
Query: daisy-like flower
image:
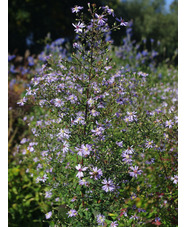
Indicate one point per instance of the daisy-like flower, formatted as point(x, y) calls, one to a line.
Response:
point(30, 147)
point(80, 170)
point(129, 150)
point(76, 9)
point(101, 19)
point(43, 178)
point(94, 113)
point(65, 147)
point(120, 144)
point(114, 224)
point(135, 171)
point(134, 217)
point(175, 179)
point(143, 74)
point(169, 124)
point(22, 101)
point(64, 134)
point(48, 194)
point(127, 158)
point(96, 173)
point(72, 213)
point(149, 144)
point(80, 120)
point(100, 219)
point(78, 27)
point(24, 140)
point(86, 149)
point(72, 98)
point(122, 22)
point(108, 185)
point(98, 131)
point(83, 182)
point(48, 215)
point(58, 102)
point(127, 119)
point(90, 102)
point(132, 116)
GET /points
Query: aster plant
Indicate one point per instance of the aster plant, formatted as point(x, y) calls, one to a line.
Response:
point(84, 148)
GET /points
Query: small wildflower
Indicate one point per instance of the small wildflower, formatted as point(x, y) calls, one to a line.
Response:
point(108, 185)
point(72, 213)
point(175, 179)
point(76, 9)
point(114, 224)
point(80, 170)
point(100, 219)
point(169, 124)
point(135, 171)
point(96, 174)
point(122, 22)
point(78, 27)
point(48, 215)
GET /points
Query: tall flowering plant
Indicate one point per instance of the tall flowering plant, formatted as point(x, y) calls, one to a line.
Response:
point(90, 135)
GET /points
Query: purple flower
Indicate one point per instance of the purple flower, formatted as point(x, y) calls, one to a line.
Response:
point(76, 9)
point(120, 144)
point(24, 140)
point(58, 102)
point(96, 174)
point(143, 74)
point(135, 171)
point(44, 178)
point(101, 19)
point(157, 219)
point(122, 22)
point(169, 124)
point(108, 185)
point(30, 61)
point(22, 101)
point(80, 170)
point(175, 179)
point(94, 113)
point(72, 213)
point(83, 182)
point(65, 147)
point(132, 116)
point(72, 98)
point(126, 158)
point(127, 119)
point(64, 134)
point(90, 102)
point(30, 147)
point(149, 144)
point(48, 194)
point(135, 217)
point(114, 224)
point(48, 215)
point(100, 219)
point(129, 150)
point(98, 131)
point(76, 45)
point(84, 150)
point(78, 27)
point(11, 57)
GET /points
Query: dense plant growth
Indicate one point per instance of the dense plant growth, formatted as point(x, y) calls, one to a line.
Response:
point(103, 149)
